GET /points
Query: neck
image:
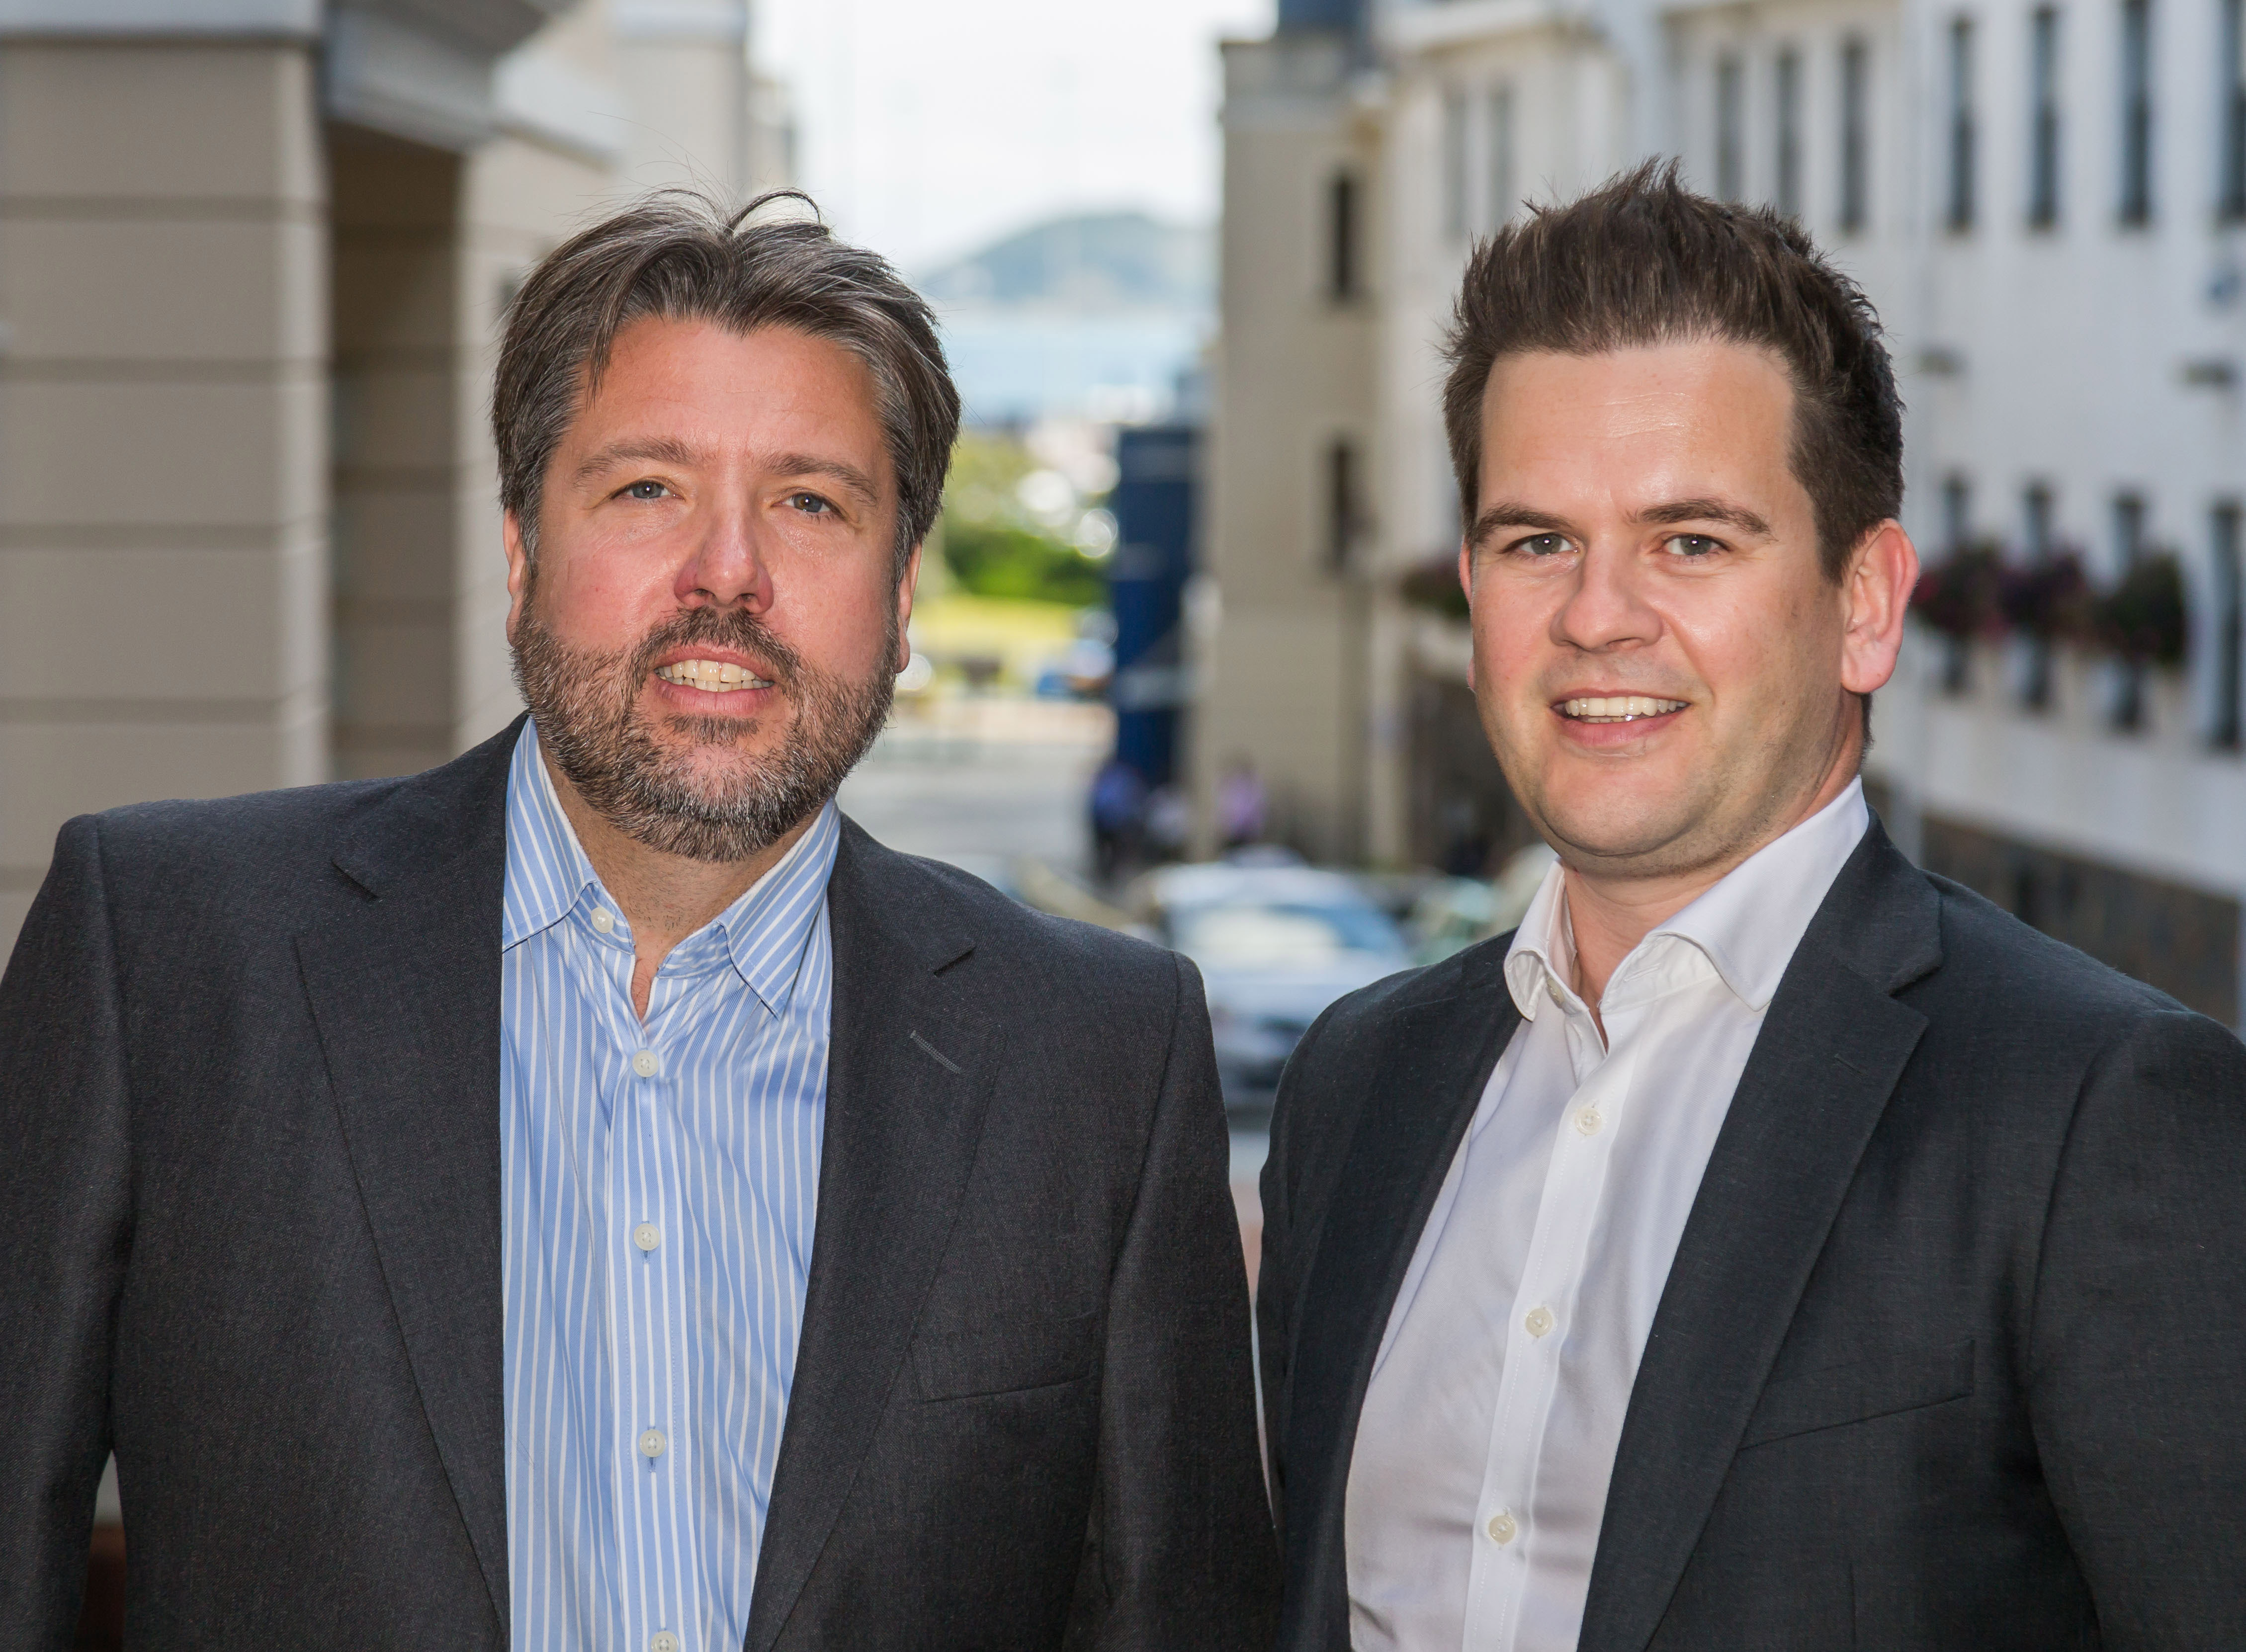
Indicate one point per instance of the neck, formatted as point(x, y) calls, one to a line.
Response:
point(1611, 912)
point(664, 897)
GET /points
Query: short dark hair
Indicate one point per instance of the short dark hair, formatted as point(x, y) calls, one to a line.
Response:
point(681, 256)
point(1642, 261)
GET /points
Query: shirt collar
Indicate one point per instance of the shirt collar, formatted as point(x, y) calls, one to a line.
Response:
point(549, 876)
point(1746, 925)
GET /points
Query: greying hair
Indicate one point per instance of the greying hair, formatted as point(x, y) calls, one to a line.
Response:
point(1644, 260)
point(680, 256)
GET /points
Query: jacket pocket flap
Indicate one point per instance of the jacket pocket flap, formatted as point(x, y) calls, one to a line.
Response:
point(1905, 1380)
point(999, 1359)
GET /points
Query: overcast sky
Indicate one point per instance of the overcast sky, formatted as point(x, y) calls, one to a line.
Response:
point(927, 127)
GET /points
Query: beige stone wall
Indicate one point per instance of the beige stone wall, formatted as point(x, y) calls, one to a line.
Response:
point(163, 433)
point(1280, 668)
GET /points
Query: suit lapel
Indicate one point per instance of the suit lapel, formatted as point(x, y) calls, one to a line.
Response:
point(406, 993)
point(1437, 1058)
point(1832, 1047)
point(908, 1075)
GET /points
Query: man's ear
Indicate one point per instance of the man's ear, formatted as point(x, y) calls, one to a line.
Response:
point(908, 583)
point(518, 570)
point(1466, 584)
point(1875, 596)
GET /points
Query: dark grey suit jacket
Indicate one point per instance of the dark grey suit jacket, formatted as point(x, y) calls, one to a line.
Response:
point(250, 1237)
point(1953, 1352)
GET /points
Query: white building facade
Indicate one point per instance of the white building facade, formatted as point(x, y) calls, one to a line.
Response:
point(2047, 200)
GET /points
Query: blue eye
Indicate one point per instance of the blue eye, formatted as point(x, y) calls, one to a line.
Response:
point(1691, 544)
point(645, 490)
point(1545, 544)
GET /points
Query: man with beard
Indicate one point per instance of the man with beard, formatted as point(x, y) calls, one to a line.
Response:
point(591, 1195)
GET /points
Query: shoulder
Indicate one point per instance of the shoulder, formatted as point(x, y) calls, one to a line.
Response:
point(1361, 1022)
point(274, 857)
point(259, 842)
point(937, 908)
point(2012, 1013)
point(2006, 968)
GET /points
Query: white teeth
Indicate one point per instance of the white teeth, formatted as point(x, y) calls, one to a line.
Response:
point(1617, 707)
point(712, 676)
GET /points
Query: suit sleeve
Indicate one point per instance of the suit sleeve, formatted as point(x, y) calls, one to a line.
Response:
point(2137, 1382)
point(63, 1227)
point(1180, 1553)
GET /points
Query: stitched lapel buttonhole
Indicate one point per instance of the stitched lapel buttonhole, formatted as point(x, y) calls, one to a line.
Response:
point(937, 1056)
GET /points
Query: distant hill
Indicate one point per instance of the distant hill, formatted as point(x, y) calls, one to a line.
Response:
point(1097, 261)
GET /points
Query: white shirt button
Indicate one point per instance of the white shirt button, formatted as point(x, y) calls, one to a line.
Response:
point(651, 1444)
point(1502, 1528)
point(1590, 1122)
point(603, 920)
point(1558, 996)
point(663, 1640)
point(647, 1236)
point(647, 1064)
point(1539, 1322)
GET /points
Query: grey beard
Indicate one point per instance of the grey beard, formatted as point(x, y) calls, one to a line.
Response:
point(587, 706)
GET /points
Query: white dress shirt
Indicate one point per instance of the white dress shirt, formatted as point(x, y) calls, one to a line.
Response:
point(1489, 1434)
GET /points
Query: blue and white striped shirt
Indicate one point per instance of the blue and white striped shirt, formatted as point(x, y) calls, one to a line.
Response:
point(661, 1183)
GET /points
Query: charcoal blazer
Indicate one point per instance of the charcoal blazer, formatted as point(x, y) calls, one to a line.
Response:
point(250, 1239)
point(1952, 1351)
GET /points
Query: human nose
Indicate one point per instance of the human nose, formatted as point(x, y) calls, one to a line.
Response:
point(1606, 608)
point(728, 568)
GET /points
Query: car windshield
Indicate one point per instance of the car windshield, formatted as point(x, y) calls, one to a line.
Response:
point(1280, 935)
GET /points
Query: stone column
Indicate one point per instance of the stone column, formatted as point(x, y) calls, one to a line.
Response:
point(163, 430)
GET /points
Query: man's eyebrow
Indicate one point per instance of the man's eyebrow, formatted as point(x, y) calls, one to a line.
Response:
point(1511, 514)
point(1674, 510)
point(840, 469)
point(664, 450)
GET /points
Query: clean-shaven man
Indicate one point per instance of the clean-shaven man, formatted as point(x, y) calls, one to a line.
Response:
point(591, 1195)
point(1768, 1245)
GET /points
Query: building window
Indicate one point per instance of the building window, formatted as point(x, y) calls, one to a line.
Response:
point(1499, 113)
point(1959, 213)
point(2230, 628)
point(2136, 202)
point(1341, 504)
point(1787, 197)
point(2230, 169)
point(1855, 139)
point(2128, 546)
point(2035, 512)
point(1957, 512)
point(1342, 274)
point(1455, 224)
point(1730, 163)
point(2042, 117)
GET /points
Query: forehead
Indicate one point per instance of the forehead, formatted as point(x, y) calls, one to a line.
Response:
point(772, 388)
point(1660, 417)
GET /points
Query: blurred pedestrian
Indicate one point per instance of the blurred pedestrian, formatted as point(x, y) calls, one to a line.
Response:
point(591, 1194)
point(1767, 1244)
point(1240, 804)
point(1119, 818)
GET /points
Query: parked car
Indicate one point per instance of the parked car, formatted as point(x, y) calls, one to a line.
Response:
point(1275, 945)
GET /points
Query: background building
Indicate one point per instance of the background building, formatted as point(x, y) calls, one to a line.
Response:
point(2047, 202)
point(253, 256)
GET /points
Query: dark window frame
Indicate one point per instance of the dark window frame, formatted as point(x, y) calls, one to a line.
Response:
point(1786, 88)
point(2135, 204)
point(1960, 134)
point(2045, 130)
point(1855, 205)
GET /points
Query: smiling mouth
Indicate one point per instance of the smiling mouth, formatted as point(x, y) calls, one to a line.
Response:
point(711, 676)
point(1617, 707)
